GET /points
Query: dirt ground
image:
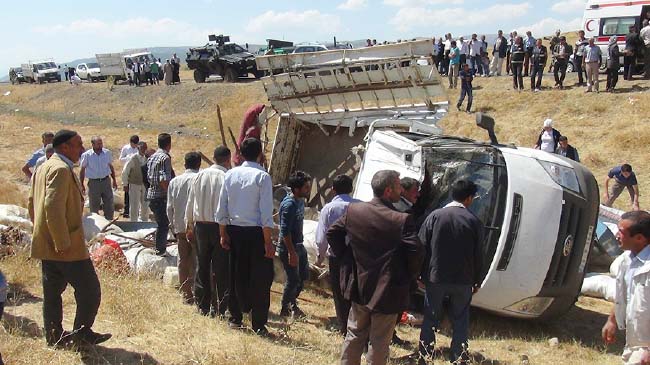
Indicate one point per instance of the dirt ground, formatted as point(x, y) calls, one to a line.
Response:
point(149, 323)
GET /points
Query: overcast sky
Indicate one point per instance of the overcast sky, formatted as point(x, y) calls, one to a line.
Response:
point(67, 30)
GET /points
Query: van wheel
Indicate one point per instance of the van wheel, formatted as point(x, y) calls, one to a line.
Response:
point(199, 76)
point(230, 75)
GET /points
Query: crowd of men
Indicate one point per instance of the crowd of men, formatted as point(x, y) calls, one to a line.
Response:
point(142, 71)
point(527, 56)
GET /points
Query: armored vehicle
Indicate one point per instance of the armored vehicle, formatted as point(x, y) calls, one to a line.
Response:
point(223, 58)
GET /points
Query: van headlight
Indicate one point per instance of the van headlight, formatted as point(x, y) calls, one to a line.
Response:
point(531, 307)
point(564, 176)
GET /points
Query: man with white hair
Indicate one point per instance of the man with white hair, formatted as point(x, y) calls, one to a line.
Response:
point(592, 60)
point(97, 165)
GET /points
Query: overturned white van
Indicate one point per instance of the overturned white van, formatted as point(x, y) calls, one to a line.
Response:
point(367, 113)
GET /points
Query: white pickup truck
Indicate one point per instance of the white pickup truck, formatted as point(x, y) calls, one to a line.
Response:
point(41, 71)
point(358, 112)
point(90, 72)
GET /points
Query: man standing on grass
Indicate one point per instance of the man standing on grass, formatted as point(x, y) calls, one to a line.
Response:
point(538, 62)
point(561, 53)
point(133, 183)
point(624, 178)
point(212, 289)
point(466, 78)
point(177, 197)
point(46, 138)
point(159, 174)
point(592, 60)
point(454, 65)
point(529, 44)
point(645, 39)
point(452, 237)
point(578, 55)
point(380, 256)
point(97, 165)
point(291, 250)
point(499, 52)
point(126, 152)
point(245, 216)
point(632, 295)
point(331, 212)
point(55, 208)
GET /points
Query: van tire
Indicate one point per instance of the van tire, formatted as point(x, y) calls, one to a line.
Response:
point(199, 76)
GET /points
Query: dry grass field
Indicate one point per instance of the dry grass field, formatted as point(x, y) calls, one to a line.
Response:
point(150, 324)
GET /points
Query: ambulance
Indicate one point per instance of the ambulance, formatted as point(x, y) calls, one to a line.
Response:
point(603, 19)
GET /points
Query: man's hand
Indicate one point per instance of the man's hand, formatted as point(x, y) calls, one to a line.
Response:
point(126, 188)
point(269, 251)
point(609, 332)
point(225, 242)
point(189, 233)
point(293, 259)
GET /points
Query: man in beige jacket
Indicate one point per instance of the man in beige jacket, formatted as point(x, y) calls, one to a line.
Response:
point(55, 208)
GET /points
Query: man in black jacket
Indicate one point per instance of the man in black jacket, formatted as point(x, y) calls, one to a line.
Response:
point(632, 47)
point(452, 237)
point(499, 51)
point(538, 62)
point(380, 256)
point(567, 150)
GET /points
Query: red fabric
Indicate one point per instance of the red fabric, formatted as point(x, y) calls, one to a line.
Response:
point(249, 129)
point(110, 256)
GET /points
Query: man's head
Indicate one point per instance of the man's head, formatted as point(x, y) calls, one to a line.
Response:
point(453, 43)
point(563, 39)
point(645, 23)
point(634, 231)
point(165, 141)
point(474, 36)
point(134, 140)
point(482, 37)
point(251, 149)
point(49, 151)
point(192, 160)
point(342, 184)
point(47, 138)
point(626, 170)
point(410, 189)
point(564, 142)
point(461, 39)
point(463, 191)
point(149, 152)
point(581, 34)
point(632, 28)
point(142, 147)
point(529, 33)
point(548, 125)
point(500, 33)
point(466, 67)
point(591, 41)
point(557, 32)
point(538, 42)
point(386, 185)
point(300, 184)
point(69, 144)
point(97, 143)
point(222, 156)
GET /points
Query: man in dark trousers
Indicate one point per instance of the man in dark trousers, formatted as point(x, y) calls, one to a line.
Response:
point(245, 217)
point(331, 212)
point(55, 208)
point(538, 62)
point(380, 256)
point(561, 53)
point(578, 55)
point(452, 236)
point(159, 174)
point(291, 250)
point(632, 48)
point(212, 281)
point(466, 78)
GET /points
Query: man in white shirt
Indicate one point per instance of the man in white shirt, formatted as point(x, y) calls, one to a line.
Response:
point(177, 195)
point(644, 34)
point(463, 45)
point(133, 183)
point(212, 282)
point(630, 312)
point(475, 51)
point(97, 165)
point(127, 151)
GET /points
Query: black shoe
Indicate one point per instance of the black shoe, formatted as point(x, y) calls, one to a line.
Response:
point(162, 253)
point(91, 338)
point(62, 341)
point(298, 313)
point(398, 341)
point(236, 325)
point(262, 332)
point(457, 107)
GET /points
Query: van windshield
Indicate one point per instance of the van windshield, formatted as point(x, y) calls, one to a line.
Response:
point(450, 161)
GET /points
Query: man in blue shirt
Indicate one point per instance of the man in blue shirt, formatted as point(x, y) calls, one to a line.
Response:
point(245, 217)
point(454, 64)
point(466, 78)
point(46, 138)
point(624, 178)
point(331, 212)
point(291, 250)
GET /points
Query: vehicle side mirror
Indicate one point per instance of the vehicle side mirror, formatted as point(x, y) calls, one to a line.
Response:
point(486, 122)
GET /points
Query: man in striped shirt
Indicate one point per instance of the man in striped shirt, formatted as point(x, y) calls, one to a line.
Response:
point(159, 174)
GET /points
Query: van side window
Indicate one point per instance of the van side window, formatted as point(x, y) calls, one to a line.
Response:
point(617, 26)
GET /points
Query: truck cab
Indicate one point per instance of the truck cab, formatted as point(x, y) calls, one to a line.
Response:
point(89, 71)
point(41, 72)
point(378, 108)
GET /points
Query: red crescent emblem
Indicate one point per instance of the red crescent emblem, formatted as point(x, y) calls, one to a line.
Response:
point(588, 25)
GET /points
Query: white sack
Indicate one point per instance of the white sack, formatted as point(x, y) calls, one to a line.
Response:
point(144, 261)
point(94, 223)
point(13, 215)
point(599, 286)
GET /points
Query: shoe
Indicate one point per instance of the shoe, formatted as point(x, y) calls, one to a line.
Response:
point(61, 342)
point(162, 253)
point(458, 107)
point(537, 90)
point(236, 325)
point(398, 341)
point(262, 332)
point(298, 313)
point(91, 338)
point(285, 312)
point(468, 112)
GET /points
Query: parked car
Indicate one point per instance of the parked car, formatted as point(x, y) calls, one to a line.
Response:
point(304, 48)
point(16, 75)
point(89, 71)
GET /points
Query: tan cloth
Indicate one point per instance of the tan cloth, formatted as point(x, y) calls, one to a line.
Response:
point(56, 208)
point(593, 70)
point(187, 257)
point(169, 73)
point(367, 328)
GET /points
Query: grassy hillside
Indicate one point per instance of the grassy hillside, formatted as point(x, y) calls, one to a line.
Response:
point(149, 323)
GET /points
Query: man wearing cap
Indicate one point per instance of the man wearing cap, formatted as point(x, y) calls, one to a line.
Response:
point(97, 165)
point(55, 208)
point(549, 137)
point(46, 138)
point(561, 53)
